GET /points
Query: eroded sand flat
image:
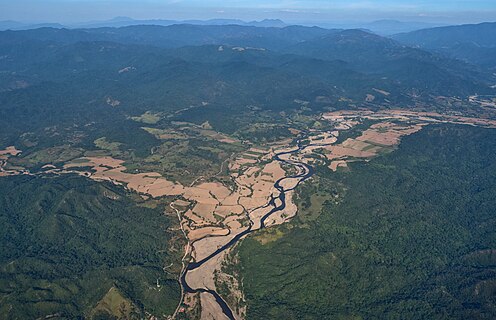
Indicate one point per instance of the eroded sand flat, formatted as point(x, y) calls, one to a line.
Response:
point(393, 126)
point(200, 233)
point(203, 276)
point(284, 215)
point(206, 246)
point(289, 183)
point(210, 309)
point(386, 133)
point(257, 214)
point(218, 212)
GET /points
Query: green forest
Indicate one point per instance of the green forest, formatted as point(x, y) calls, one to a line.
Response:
point(409, 235)
point(68, 241)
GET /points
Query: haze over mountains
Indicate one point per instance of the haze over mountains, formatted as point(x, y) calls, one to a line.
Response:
point(126, 21)
point(330, 60)
point(110, 125)
point(311, 52)
point(383, 27)
point(474, 43)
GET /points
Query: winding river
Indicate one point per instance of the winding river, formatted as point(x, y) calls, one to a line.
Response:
point(306, 172)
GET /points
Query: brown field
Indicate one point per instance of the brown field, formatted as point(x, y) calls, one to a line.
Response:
point(205, 211)
point(4, 157)
point(324, 138)
point(9, 151)
point(110, 169)
point(294, 131)
point(225, 211)
point(233, 223)
point(393, 125)
point(197, 220)
point(339, 152)
point(181, 203)
point(388, 133)
point(338, 164)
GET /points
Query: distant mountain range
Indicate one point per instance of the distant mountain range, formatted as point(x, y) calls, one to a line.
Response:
point(381, 27)
point(126, 21)
point(15, 25)
point(389, 27)
point(384, 27)
point(118, 22)
point(316, 53)
point(474, 43)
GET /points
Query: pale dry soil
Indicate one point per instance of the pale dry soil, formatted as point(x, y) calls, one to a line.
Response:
point(5, 154)
point(386, 134)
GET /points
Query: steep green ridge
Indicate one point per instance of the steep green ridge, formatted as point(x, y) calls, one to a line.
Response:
point(410, 236)
point(66, 241)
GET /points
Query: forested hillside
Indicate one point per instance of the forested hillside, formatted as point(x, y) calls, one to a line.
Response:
point(474, 43)
point(67, 241)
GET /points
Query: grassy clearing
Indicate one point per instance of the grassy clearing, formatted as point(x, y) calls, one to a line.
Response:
point(269, 235)
point(104, 144)
point(315, 209)
point(52, 155)
point(114, 304)
point(148, 118)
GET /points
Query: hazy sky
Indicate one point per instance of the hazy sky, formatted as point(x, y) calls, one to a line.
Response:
point(67, 11)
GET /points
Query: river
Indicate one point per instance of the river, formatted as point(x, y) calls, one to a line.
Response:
point(306, 172)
